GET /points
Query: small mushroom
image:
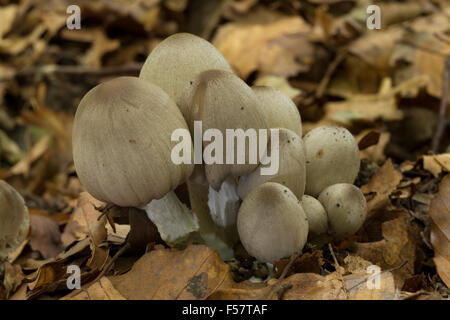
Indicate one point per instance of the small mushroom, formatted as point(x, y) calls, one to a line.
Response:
point(316, 214)
point(271, 223)
point(177, 59)
point(346, 208)
point(279, 110)
point(332, 156)
point(14, 220)
point(122, 152)
point(291, 168)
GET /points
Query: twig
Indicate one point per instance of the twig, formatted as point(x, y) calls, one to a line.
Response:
point(331, 69)
point(336, 263)
point(379, 274)
point(443, 108)
point(126, 246)
point(277, 288)
point(132, 69)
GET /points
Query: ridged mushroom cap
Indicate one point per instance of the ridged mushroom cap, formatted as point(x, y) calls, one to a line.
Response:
point(332, 156)
point(223, 101)
point(122, 142)
point(271, 223)
point(291, 171)
point(346, 208)
point(278, 109)
point(177, 59)
point(14, 219)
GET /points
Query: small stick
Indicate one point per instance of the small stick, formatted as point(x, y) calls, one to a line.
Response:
point(443, 108)
point(110, 263)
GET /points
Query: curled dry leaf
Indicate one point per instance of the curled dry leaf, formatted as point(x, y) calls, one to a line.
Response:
point(440, 230)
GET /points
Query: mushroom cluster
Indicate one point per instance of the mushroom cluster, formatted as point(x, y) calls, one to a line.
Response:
point(123, 143)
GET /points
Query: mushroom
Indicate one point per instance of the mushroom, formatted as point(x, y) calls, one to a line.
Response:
point(291, 168)
point(346, 208)
point(332, 156)
point(223, 102)
point(316, 214)
point(278, 109)
point(122, 152)
point(177, 59)
point(271, 223)
point(14, 220)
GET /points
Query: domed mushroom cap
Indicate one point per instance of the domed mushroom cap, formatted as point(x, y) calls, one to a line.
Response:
point(14, 219)
point(177, 59)
point(346, 208)
point(291, 172)
point(316, 214)
point(271, 223)
point(279, 110)
point(332, 156)
point(122, 142)
point(224, 102)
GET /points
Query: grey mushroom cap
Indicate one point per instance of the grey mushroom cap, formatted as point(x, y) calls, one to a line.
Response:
point(122, 142)
point(177, 59)
point(316, 214)
point(14, 219)
point(332, 156)
point(271, 223)
point(222, 101)
point(280, 111)
point(346, 208)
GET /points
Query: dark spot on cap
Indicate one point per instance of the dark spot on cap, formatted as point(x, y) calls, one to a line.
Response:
point(132, 141)
point(319, 154)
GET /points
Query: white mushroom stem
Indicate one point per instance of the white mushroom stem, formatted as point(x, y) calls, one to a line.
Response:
point(211, 234)
point(176, 224)
point(224, 206)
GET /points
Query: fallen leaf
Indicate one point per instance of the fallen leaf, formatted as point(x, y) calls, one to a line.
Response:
point(99, 290)
point(397, 247)
point(279, 48)
point(382, 183)
point(440, 229)
point(45, 236)
point(437, 163)
point(12, 278)
point(194, 273)
point(279, 83)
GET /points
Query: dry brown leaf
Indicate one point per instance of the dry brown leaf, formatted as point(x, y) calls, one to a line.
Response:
point(382, 183)
point(398, 246)
point(7, 16)
point(194, 273)
point(83, 224)
point(99, 290)
point(100, 46)
point(279, 83)
point(280, 48)
point(437, 163)
point(440, 230)
point(372, 107)
point(45, 236)
point(358, 289)
point(12, 278)
point(374, 153)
